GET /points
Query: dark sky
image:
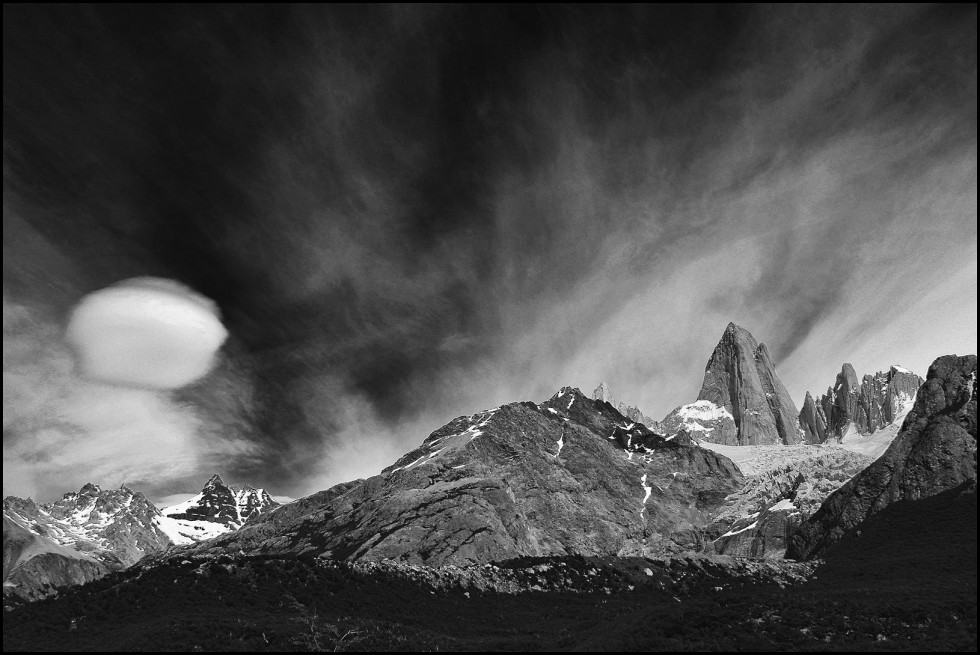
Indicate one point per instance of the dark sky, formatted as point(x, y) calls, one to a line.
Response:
point(406, 214)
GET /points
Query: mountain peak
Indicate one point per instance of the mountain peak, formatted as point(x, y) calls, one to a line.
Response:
point(214, 481)
point(90, 489)
point(740, 377)
point(864, 405)
point(935, 451)
point(603, 393)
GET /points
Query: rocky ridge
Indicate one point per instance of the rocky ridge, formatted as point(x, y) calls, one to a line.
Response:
point(861, 407)
point(935, 451)
point(633, 413)
point(75, 539)
point(570, 475)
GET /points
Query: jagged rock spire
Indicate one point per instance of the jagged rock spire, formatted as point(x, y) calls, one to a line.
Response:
point(603, 393)
point(741, 377)
point(866, 405)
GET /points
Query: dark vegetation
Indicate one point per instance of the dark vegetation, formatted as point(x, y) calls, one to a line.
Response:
point(907, 582)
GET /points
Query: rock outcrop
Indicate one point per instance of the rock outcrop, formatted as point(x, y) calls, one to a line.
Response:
point(857, 407)
point(741, 379)
point(633, 413)
point(570, 475)
point(935, 451)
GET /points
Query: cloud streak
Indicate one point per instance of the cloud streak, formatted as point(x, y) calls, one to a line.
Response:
point(408, 215)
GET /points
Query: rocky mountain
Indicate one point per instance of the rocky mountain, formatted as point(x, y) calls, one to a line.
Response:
point(570, 475)
point(631, 412)
point(87, 534)
point(935, 451)
point(113, 526)
point(852, 407)
point(218, 509)
point(742, 401)
point(77, 538)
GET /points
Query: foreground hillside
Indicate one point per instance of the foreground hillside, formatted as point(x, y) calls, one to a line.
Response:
point(852, 601)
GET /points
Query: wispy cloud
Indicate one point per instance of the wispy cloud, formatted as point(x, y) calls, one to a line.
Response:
point(417, 216)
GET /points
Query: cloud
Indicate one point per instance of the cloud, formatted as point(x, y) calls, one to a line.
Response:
point(145, 332)
point(62, 430)
point(406, 216)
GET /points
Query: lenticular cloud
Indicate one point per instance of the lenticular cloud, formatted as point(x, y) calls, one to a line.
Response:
point(146, 332)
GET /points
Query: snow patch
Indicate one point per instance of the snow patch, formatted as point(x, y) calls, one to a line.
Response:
point(183, 532)
point(734, 532)
point(784, 504)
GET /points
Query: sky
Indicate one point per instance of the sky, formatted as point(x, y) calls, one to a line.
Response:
point(401, 215)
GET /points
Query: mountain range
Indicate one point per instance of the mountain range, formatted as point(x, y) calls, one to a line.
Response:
point(738, 472)
point(88, 533)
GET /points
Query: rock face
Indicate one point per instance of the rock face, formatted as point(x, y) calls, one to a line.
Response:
point(862, 407)
point(935, 451)
point(631, 412)
point(570, 475)
point(759, 519)
point(813, 421)
point(741, 378)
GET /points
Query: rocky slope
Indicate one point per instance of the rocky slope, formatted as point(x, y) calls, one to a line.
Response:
point(633, 413)
point(570, 475)
point(853, 407)
point(34, 566)
point(740, 380)
point(759, 519)
point(935, 451)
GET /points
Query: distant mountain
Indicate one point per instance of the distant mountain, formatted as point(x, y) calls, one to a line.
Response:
point(113, 526)
point(85, 535)
point(216, 510)
point(742, 400)
point(570, 475)
point(631, 412)
point(850, 407)
point(77, 538)
point(935, 451)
